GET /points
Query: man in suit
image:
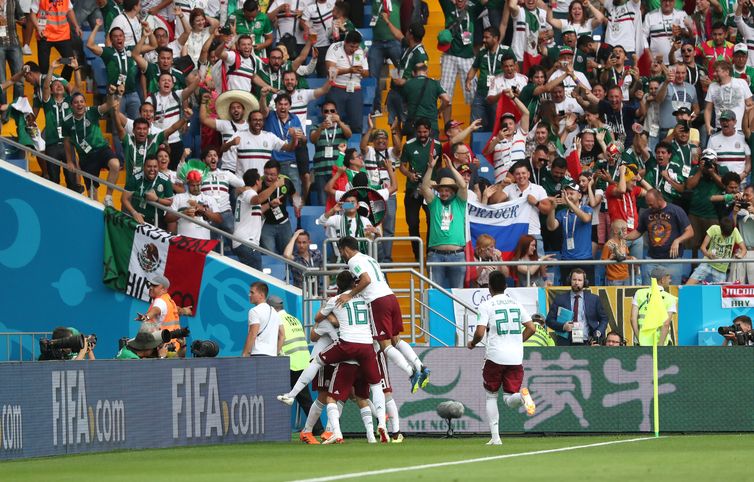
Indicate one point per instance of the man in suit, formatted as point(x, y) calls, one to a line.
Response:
point(589, 317)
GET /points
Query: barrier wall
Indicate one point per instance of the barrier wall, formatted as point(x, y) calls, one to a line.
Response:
point(586, 389)
point(57, 408)
point(51, 248)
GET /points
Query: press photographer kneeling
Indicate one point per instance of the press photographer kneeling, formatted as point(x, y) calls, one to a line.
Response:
point(67, 344)
point(153, 344)
point(739, 333)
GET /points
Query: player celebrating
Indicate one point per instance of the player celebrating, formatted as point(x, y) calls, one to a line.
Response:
point(386, 312)
point(501, 317)
point(355, 343)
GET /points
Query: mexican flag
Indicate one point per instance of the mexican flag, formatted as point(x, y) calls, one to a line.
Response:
point(135, 253)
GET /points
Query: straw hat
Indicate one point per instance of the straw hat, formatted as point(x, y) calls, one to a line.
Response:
point(249, 102)
point(445, 182)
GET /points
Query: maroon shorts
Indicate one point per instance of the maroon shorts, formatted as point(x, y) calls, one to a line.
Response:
point(362, 353)
point(509, 376)
point(382, 364)
point(386, 318)
point(322, 380)
point(344, 377)
point(361, 388)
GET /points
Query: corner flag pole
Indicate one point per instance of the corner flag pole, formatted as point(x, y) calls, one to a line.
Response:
point(655, 383)
point(654, 318)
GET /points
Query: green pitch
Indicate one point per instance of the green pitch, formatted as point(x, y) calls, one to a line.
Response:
point(673, 458)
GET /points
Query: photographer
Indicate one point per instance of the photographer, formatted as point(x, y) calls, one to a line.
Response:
point(739, 333)
point(743, 215)
point(144, 345)
point(67, 344)
point(705, 182)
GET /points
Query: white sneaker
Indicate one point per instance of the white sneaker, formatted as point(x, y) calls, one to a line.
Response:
point(286, 399)
point(528, 402)
point(371, 438)
point(335, 438)
point(495, 442)
point(108, 201)
point(26, 50)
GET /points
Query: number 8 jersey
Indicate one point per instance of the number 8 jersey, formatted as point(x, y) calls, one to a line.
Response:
point(353, 318)
point(504, 318)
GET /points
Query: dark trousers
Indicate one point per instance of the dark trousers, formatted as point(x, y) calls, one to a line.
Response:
point(57, 151)
point(350, 107)
point(64, 48)
point(413, 204)
point(176, 152)
point(304, 399)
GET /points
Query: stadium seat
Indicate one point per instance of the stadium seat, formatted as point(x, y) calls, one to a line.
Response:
point(367, 34)
point(309, 216)
point(273, 266)
point(367, 11)
point(478, 141)
point(354, 141)
point(486, 170)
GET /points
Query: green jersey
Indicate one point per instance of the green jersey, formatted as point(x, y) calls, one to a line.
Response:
point(121, 68)
point(653, 175)
point(461, 26)
point(700, 203)
point(55, 115)
point(153, 76)
point(747, 74)
point(85, 132)
point(111, 10)
point(381, 31)
point(135, 153)
point(410, 57)
point(489, 64)
point(421, 94)
point(140, 186)
point(257, 29)
point(416, 156)
point(447, 223)
point(273, 79)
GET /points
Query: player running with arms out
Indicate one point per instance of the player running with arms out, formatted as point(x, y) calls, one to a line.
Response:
point(501, 318)
point(354, 344)
point(386, 312)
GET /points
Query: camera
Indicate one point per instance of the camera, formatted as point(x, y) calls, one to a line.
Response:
point(204, 349)
point(741, 338)
point(514, 89)
point(225, 30)
point(708, 163)
point(168, 335)
point(561, 113)
point(61, 348)
point(743, 204)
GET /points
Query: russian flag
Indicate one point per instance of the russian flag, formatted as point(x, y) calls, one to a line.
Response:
point(505, 222)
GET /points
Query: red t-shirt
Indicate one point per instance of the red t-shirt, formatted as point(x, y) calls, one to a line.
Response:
point(623, 207)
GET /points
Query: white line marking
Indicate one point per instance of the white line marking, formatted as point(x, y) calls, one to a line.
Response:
point(469, 461)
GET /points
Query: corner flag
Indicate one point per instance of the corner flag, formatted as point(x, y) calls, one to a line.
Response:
point(654, 318)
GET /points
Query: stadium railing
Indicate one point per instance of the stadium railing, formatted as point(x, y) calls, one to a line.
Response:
point(22, 337)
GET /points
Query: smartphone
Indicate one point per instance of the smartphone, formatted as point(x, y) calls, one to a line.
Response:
point(225, 31)
point(561, 113)
point(65, 61)
point(349, 205)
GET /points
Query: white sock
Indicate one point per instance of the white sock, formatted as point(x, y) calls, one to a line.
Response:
point(392, 411)
point(340, 404)
point(333, 417)
point(366, 417)
point(409, 354)
point(306, 377)
point(313, 416)
point(378, 397)
point(513, 400)
point(372, 409)
point(493, 416)
point(396, 357)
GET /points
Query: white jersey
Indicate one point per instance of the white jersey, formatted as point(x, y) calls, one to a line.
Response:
point(623, 24)
point(254, 150)
point(336, 226)
point(328, 334)
point(249, 219)
point(337, 54)
point(241, 78)
point(353, 319)
point(378, 287)
point(569, 84)
point(167, 111)
point(731, 96)
point(501, 83)
point(374, 162)
point(228, 129)
point(319, 18)
point(289, 24)
point(183, 201)
point(525, 38)
point(732, 151)
point(504, 318)
point(131, 28)
point(217, 184)
point(267, 336)
point(535, 190)
point(658, 32)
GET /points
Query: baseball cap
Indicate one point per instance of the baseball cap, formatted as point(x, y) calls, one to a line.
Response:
point(682, 126)
point(275, 301)
point(508, 115)
point(568, 29)
point(444, 39)
point(161, 281)
point(565, 50)
point(658, 272)
point(740, 48)
point(463, 169)
point(727, 114)
point(682, 110)
point(571, 185)
point(451, 124)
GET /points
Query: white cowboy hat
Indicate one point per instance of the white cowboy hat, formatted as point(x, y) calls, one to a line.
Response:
point(249, 102)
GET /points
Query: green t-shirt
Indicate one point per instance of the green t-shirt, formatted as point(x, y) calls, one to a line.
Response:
point(415, 155)
point(531, 101)
point(126, 354)
point(256, 29)
point(721, 246)
point(85, 133)
point(421, 100)
point(109, 12)
point(153, 76)
point(136, 154)
point(381, 31)
point(120, 67)
point(487, 62)
point(682, 157)
point(653, 175)
point(409, 58)
point(273, 79)
point(139, 186)
point(331, 137)
point(55, 115)
point(749, 73)
point(461, 26)
point(447, 223)
point(700, 203)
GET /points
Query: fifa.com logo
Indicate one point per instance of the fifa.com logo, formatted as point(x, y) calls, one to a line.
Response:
point(11, 428)
point(199, 412)
point(75, 421)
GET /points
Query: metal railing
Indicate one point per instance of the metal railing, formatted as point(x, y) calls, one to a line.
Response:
point(21, 336)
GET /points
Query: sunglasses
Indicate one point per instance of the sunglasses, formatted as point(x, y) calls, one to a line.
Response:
point(329, 111)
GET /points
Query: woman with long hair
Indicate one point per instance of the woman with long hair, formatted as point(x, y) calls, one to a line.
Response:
point(526, 250)
point(578, 18)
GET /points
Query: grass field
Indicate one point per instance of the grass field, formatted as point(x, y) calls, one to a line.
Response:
point(612, 458)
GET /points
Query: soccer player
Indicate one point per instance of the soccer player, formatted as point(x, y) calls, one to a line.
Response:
point(386, 313)
point(354, 344)
point(501, 317)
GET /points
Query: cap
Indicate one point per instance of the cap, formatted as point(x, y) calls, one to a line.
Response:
point(740, 48)
point(508, 115)
point(568, 29)
point(727, 114)
point(682, 110)
point(658, 272)
point(161, 281)
point(571, 185)
point(379, 133)
point(275, 301)
point(709, 154)
point(451, 124)
point(444, 39)
point(682, 126)
point(565, 50)
point(463, 169)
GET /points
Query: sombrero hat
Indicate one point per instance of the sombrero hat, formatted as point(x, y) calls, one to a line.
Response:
point(249, 102)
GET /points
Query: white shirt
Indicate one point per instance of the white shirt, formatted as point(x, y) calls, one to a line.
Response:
point(254, 150)
point(501, 83)
point(249, 219)
point(187, 228)
point(504, 318)
point(217, 184)
point(535, 190)
point(228, 129)
point(524, 40)
point(160, 304)
point(151, 56)
point(624, 25)
point(286, 24)
point(327, 335)
point(131, 28)
point(353, 319)
point(507, 152)
point(267, 336)
point(377, 287)
point(658, 32)
point(167, 111)
point(300, 100)
point(337, 54)
point(241, 78)
point(568, 83)
point(321, 25)
point(732, 95)
point(333, 225)
point(378, 175)
point(731, 151)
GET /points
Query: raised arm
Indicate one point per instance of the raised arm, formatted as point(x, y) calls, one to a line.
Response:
point(90, 43)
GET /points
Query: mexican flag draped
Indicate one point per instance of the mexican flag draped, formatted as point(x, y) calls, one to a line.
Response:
point(135, 253)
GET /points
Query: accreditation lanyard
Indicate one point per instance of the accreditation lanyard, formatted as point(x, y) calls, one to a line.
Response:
point(696, 76)
point(675, 95)
point(122, 62)
point(573, 226)
point(406, 57)
point(59, 117)
point(76, 129)
point(460, 22)
point(329, 140)
point(278, 78)
point(283, 132)
point(142, 188)
point(491, 70)
point(680, 151)
point(147, 144)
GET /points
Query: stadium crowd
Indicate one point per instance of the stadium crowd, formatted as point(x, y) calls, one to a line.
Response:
point(614, 119)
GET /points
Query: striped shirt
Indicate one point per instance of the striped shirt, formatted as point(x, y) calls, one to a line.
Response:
point(227, 129)
point(217, 184)
point(507, 152)
point(658, 30)
point(167, 111)
point(732, 151)
point(318, 15)
point(241, 78)
point(255, 150)
point(623, 21)
point(327, 138)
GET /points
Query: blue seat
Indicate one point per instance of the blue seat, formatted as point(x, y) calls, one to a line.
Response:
point(316, 82)
point(275, 266)
point(367, 11)
point(479, 140)
point(354, 141)
point(100, 75)
point(309, 216)
point(366, 34)
point(484, 163)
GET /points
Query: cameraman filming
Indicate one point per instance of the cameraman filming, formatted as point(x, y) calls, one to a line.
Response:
point(739, 333)
point(705, 182)
point(67, 344)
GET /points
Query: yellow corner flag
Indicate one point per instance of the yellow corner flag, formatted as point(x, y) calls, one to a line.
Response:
point(654, 319)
